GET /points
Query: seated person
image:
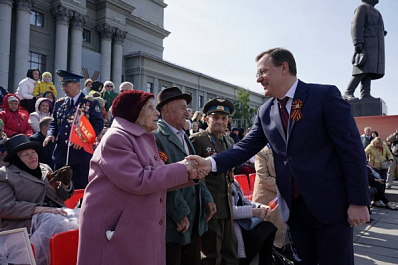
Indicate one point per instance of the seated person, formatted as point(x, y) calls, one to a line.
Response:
point(46, 153)
point(380, 185)
point(45, 85)
point(43, 106)
point(28, 199)
point(26, 87)
point(252, 240)
point(50, 96)
point(3, 138)
point(15, 120)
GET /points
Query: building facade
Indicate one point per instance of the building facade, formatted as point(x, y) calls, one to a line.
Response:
point(117, 40)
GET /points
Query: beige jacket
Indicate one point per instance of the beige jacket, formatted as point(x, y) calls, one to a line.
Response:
point(265, 190)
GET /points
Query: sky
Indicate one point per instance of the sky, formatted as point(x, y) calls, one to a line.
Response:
point(221, 38)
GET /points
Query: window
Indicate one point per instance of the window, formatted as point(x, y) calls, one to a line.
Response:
point(200, 101)
point(149, 87)
point(86, 36)
point(37, 60)
point(36, 19)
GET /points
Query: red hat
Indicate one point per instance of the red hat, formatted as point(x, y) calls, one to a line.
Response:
point(129, 104)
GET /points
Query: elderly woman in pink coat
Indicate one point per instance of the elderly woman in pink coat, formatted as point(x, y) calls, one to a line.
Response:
point(122, 220)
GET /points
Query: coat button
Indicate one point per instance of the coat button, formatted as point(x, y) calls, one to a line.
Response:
point(161, 200)
point(161, 222)
point(156, 158)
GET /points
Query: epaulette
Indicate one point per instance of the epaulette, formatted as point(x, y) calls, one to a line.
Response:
point(199, 134)
point(90, 98)
point(61, 99)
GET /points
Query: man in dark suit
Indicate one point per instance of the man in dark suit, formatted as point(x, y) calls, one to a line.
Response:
point(59, 130)
point(319, 160)
point(366, 137)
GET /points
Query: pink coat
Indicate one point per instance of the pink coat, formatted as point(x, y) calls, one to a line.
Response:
point(126, 194)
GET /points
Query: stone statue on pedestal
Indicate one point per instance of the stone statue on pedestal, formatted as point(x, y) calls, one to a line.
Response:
point(367, 32)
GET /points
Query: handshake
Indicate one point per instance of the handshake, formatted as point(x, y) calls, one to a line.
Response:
point(197, 167)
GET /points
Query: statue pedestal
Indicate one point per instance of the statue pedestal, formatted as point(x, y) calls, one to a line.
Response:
point(368, 107)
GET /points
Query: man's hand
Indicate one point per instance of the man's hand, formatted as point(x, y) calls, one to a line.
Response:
point(357, 215)
point(48, 139)
point(358, 47)
point(183, 225)
point(204, 164)
point(76, 147)
point(210, 211)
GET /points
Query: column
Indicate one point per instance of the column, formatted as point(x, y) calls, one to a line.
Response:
point(75, 59)
point(22, 33)
point(61, 15)
point(117, 56)
point(5, 41)
point(106, 34)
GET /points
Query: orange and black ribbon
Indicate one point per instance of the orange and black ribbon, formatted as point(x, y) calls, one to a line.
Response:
point(163, 156)
point(296, 110)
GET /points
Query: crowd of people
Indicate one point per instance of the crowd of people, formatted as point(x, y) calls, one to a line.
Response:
point(159, 185)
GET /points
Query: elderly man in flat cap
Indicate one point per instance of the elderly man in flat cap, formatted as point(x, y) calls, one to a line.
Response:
point(219, 244)
point(59, 130)
point(186, 219)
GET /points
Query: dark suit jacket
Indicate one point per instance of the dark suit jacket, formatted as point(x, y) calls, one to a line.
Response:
point(322, 151)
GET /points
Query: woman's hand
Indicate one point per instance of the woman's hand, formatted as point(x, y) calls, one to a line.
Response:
point(41, 209)
point(261, 212)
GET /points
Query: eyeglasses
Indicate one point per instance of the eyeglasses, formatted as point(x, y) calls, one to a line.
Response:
point(262, 72)
point(109, 86)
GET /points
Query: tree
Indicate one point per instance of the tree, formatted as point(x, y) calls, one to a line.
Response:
point(244, 114)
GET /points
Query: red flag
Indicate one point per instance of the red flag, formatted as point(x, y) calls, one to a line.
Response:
point(82, 133)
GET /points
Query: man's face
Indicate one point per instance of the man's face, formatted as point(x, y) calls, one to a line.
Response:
point(177, 113)
point(368, 132)
point(217, 122)
point(271, 77)
point(71, 89)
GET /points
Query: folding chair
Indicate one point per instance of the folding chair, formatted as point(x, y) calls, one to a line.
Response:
point(63, 248)
point(252, 178)
point(72, 201)
point(244, 184)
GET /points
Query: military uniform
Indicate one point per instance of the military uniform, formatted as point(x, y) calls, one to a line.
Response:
point(219, 243)
point(63, 114)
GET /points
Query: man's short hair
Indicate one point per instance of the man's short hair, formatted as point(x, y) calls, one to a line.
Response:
point(44, 122)
point(278, 57)
point(126, 84)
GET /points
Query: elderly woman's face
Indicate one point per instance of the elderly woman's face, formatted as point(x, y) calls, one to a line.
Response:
point(109, 87)
point(148, 117)
point(29, 157)
point(13, 105)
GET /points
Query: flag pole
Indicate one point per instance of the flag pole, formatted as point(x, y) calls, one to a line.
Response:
point(70, 134)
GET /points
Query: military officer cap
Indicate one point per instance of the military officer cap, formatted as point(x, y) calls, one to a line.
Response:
point(68, 77)
point(219, 105)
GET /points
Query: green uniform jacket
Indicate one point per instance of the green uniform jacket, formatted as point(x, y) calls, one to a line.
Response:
point(181, 202)
point(206, 144)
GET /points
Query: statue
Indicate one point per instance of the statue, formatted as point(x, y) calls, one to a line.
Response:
point(367, 32)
